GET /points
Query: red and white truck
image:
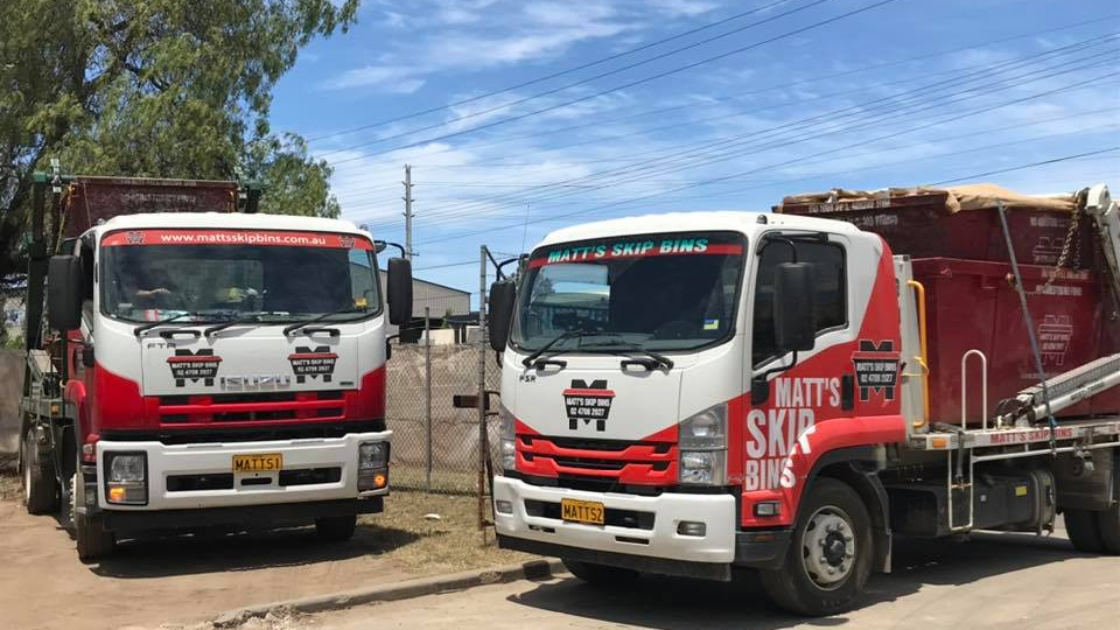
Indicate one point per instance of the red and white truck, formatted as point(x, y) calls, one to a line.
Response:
point(688, 393)
point(201, 364)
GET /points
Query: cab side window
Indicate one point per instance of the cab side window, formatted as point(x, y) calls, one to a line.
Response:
point(830, 273)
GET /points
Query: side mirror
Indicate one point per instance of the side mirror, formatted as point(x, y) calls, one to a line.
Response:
point(64, 293)
point(400, 291)
point(795, 327)
point(503, 294)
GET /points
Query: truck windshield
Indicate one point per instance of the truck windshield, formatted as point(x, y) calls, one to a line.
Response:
point(659, 292)
point(144, 280)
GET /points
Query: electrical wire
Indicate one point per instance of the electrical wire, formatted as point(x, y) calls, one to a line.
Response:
point(1072, 87)
point(591, 64)
point(634, 83)
point(660, 161)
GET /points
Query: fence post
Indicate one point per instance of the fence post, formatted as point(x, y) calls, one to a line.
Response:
point(428, 391)
point(482, 454)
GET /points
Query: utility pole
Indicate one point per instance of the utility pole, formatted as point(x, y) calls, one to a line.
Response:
point(407, 211)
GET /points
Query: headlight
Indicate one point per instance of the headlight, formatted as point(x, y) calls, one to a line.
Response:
point(371, 455)
point(703, 447)
point(127, 468)
point(507, 440)
point(705, 430)
point(126, 478)
point(373, 461)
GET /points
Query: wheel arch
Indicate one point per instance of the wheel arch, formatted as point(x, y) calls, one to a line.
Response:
point(858, 467)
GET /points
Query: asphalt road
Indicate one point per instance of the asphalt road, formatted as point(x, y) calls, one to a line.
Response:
point(994, 581)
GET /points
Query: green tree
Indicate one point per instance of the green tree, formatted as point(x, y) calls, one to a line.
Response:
point(157, 88)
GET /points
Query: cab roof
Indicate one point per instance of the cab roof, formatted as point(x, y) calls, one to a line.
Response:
point(227, 221)
point(745, 222)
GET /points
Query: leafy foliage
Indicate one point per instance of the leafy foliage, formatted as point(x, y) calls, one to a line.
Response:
point(156, 88)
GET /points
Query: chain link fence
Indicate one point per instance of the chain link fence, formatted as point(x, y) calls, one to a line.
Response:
point(435, 446)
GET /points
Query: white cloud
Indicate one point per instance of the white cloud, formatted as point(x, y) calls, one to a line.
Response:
point(474, 51)
point(392, 79)
point(475, 35)
point(688, 8)
point(395, 20)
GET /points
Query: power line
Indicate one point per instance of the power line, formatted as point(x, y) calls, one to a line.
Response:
point(660, 161)
point(554, 75)
point(568, 86)
point(857, 109)
point(1025, 166)
point(812, 80)
point(817, 175)
point(741, 113)
point(1072, 87)
point(641, 81)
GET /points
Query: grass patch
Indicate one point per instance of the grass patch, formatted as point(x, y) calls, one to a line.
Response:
point(422, 546)
point(9, 484)
point(411, 477)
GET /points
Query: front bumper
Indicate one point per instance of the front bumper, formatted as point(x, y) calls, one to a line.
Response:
point(659, 541)
point(276, 515)
point(265, 488)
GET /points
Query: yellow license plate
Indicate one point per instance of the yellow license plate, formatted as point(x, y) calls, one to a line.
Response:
point(588, 512)
point(264, 462)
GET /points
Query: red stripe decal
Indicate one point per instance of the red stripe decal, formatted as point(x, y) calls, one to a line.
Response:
point(729, 249)
point(599, 393)
point(195, 359)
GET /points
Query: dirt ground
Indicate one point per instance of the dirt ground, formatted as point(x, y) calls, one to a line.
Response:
point(993, 582)
point(184, 581)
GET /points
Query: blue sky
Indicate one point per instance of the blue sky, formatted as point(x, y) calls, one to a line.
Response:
point(910, 92)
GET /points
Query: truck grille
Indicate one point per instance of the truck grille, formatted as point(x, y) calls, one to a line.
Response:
point(251, 407)
point(609, 461)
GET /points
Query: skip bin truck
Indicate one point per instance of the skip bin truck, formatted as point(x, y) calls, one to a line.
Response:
point(684, 394)
point(199, 364)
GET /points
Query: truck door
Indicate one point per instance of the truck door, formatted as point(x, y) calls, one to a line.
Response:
point(791, 393)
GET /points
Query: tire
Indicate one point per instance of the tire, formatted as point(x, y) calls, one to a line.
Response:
point(830, 554)
point(336, 528)
point(1108, 525)
point(1084, 531)
point(40, 486)
point(91, 538)
point(600, 574)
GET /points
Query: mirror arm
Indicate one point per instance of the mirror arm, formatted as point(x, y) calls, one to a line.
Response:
point(780, 238)
point(501, 265)
point(780, 368)
point(385, 244)
point(760, 387)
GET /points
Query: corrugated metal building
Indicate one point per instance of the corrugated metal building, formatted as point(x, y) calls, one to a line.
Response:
point(441, 300)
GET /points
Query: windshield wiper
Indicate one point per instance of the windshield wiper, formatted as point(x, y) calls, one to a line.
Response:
point(150, 325)
point(288, 330)
point(567, 334)
point(251, 318)
point(627, 346)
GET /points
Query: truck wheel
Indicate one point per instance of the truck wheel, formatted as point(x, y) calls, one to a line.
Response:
point(336, 528)
point(1084, 531)
point(92, 539)
point(600, 573)
point(1108, 523)
point(829, 558)
point(40, 487)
